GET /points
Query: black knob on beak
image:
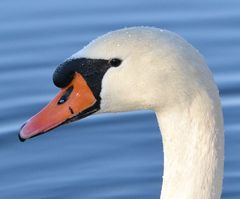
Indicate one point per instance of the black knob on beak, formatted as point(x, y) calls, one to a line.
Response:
point(64, 74)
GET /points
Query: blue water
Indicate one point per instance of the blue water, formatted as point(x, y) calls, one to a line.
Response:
point(105, 156)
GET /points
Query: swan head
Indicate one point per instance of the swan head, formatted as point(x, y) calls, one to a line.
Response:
point(128, 69)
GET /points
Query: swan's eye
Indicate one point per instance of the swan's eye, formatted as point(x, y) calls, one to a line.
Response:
point(115, 62)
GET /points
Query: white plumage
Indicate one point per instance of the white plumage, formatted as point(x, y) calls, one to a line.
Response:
point(162, 72)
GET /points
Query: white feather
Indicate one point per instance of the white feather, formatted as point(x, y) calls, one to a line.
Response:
point(162, 72)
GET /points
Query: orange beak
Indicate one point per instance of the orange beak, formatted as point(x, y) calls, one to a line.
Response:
point(73, 102)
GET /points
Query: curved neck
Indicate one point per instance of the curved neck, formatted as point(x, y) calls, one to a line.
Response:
point(193, 144)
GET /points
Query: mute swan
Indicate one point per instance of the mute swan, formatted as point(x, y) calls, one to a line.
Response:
point(147, 68)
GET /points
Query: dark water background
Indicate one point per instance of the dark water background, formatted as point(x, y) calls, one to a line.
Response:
point(107, 156)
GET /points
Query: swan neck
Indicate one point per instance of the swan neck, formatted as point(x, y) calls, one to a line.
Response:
point(193, 145)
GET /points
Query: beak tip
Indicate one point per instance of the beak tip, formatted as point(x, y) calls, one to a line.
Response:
point(20, 138)
point(19, 134)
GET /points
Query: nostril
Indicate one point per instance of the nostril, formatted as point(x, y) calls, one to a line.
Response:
point(65, 96)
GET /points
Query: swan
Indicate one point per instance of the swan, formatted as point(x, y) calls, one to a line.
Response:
point(147, 68)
